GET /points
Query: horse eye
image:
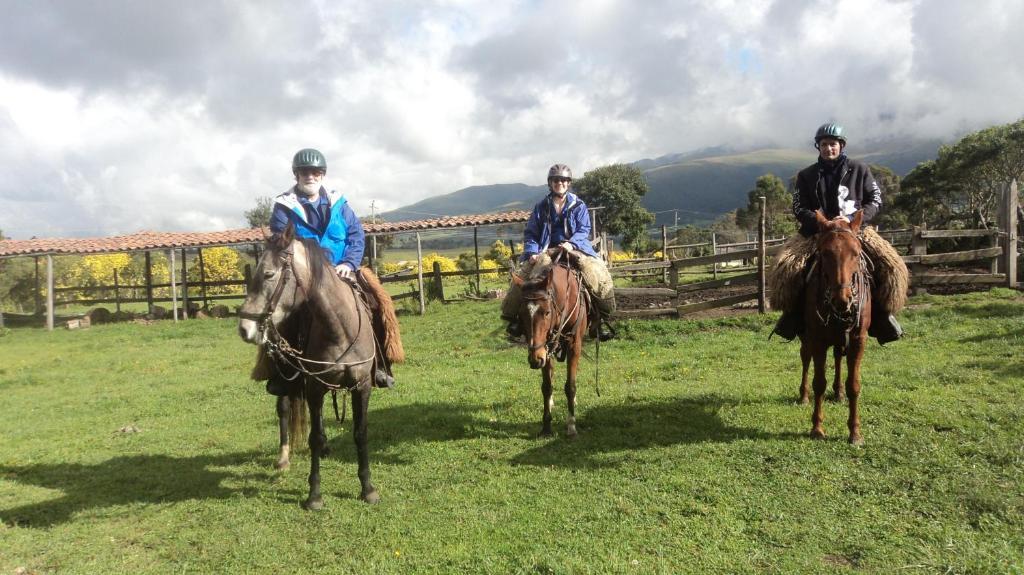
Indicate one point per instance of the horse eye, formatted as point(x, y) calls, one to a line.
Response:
point(267, 274)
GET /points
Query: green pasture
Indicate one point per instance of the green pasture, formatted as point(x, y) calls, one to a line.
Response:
point(139, 448)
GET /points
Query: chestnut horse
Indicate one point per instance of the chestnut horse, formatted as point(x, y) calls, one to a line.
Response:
point(554, 315)
point(293, 275)
point(837, 314)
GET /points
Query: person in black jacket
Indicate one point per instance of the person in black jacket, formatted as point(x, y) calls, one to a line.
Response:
point(838, 186)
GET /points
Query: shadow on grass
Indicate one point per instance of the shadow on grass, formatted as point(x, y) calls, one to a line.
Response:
point(151, 479)
point(608, 430)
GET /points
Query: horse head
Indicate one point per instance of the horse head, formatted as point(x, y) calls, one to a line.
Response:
point(839, 261)
point(536, 313)
point(275, 290)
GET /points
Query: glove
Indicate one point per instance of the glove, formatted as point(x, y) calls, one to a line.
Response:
point(567, 246)
point(344, 271)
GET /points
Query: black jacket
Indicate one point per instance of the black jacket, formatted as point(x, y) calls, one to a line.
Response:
point(853, 188)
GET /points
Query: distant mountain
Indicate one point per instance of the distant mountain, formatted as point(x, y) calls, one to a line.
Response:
point(695, 187)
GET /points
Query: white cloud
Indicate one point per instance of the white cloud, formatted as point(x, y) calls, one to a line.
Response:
point(168, 119)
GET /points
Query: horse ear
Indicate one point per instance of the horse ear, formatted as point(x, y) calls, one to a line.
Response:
point(821, 219)
point(289, 233)
point(518, 281)
point(858, 219)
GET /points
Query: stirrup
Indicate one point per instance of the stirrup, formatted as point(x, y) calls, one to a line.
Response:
point(382, 378)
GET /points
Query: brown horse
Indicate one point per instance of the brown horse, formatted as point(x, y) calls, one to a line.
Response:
point(554, 315)
point(837, 314)
point(293, 275)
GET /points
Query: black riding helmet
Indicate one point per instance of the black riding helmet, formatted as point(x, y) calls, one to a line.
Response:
point(829, 130)
point(309, 158)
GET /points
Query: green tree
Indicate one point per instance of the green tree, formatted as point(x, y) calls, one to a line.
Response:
point(618, 189)
point(779, 219)
point(259, 217)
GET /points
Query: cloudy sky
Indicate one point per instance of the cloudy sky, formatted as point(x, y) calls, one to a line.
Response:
point(118, 115)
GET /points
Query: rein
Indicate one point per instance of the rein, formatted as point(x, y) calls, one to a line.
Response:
point(557, 333)
point(279, 347)
point(860, 286)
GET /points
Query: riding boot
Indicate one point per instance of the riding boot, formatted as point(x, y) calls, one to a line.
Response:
point(789, 326)
point(514, 329)
point(381, 378)
point(884, 327)
point(605, 331)
point(277, 386)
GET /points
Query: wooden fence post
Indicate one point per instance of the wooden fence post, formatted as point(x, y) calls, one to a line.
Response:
point(476, 258)
point(761, 300)
point(918, 247)
point(437, 285)
point(202, 278)
point(1010, 205)
point(174, 285)
point(149, 284)
point(184, 283)
point(714, 251)
point(664, 253)
point(39, 291)
point(49, 292)
point(117, 294)
point(419, 268)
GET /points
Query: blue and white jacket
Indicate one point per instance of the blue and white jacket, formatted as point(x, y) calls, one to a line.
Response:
point(327, 218)
point(547, 229)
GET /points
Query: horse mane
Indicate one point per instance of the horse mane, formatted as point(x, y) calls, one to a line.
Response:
point(317, 262)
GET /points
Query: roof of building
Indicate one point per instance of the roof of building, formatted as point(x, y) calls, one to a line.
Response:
point(146, 240)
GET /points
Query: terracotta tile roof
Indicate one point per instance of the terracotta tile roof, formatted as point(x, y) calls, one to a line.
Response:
point(147, 240)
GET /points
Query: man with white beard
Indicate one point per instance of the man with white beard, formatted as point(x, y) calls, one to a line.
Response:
point(325, 216)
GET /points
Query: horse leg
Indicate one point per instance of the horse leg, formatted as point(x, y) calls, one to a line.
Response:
point(571, 367)
point(548, 372)
point(360, 407)
point(855, 354)
point(820, 354)
point(805, 360)
point(283, 414)
point(837, 389)
point(315, 400)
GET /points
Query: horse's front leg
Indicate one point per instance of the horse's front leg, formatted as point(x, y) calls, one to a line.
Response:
point(283, 415)
point(820, 355)
point(571, 367)
point(854, 355)
point(360, 407)
point(837, 386)
point(547, 373)
point(315, 400)
point(805, 360)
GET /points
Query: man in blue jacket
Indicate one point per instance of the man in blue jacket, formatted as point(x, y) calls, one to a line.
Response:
point(562, 219)
point(325, 216)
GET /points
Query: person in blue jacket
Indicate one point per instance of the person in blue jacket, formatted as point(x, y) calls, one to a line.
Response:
point(324, 215)
point(562, 219)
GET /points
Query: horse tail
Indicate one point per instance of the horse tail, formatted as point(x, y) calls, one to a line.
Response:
point(298, 421)
point(391, 338)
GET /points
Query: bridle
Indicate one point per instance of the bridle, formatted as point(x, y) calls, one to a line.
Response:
point(279, 348)
point(859, 285)
point(560, 331)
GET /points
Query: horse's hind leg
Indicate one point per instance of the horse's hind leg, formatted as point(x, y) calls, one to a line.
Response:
point(546, 391)
point(315, 400)
point(837, 382)
point(360, 406)
point(283, 417)
point(805, 360)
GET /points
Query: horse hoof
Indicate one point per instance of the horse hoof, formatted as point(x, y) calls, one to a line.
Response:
point(856, 441)
point(545, 433)
point(571, 433)
point(371, 498)
point(837, 399)
point(282, 465)
point(313, 504)
point(803, 401)
point(817, 434)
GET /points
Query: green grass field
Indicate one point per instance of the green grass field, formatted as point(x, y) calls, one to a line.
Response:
point(144, 449)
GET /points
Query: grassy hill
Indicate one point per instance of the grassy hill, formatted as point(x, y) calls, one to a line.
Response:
point(701, 185)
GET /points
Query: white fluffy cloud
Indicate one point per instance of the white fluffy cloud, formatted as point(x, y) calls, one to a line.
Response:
point(122, 116)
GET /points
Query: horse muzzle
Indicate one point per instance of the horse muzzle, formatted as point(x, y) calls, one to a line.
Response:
point(248, 330)
point(538, 356)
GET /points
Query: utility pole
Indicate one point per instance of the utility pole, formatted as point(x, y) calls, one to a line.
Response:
point(373, 238)
point(676, 224)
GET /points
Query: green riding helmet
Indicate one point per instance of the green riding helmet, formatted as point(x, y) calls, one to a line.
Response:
point(559, 171)
point(309, 158)
point(830, 130)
